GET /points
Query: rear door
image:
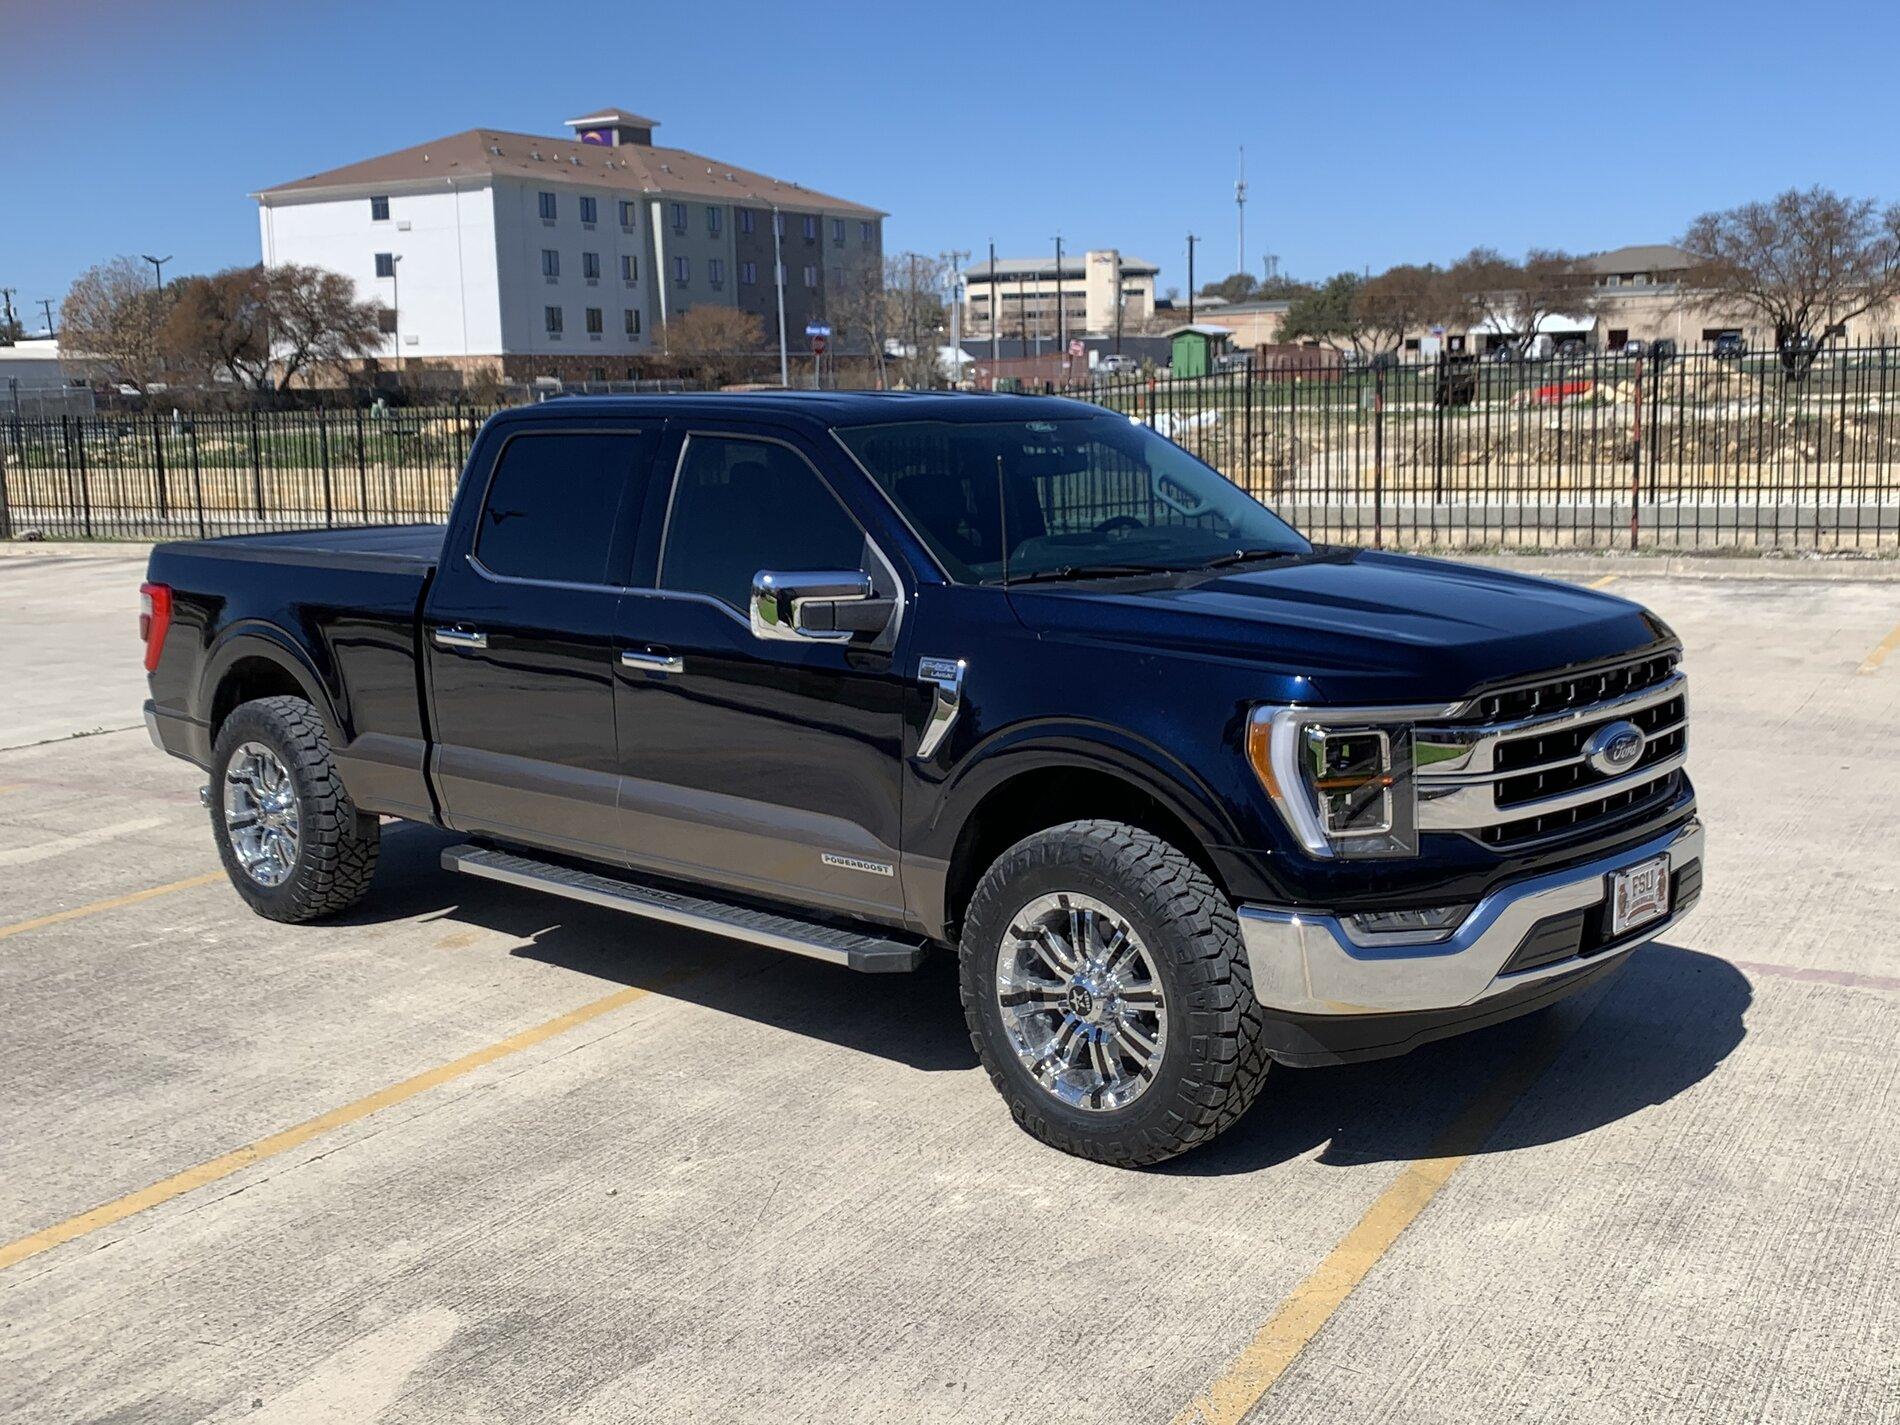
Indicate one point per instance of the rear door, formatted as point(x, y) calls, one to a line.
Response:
point(521, 631)
point(769, 766)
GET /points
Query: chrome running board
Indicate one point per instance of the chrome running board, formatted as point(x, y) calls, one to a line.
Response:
point(871, 954)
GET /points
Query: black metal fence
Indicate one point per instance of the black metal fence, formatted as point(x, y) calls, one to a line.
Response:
point(1588, 452)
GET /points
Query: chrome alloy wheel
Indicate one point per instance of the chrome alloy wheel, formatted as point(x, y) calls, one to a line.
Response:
point(1081, 1003)
point(261, 814)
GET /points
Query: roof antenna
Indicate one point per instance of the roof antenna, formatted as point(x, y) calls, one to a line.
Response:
point(1002, 517)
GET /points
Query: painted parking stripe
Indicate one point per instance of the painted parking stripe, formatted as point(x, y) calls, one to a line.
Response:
point(80, 912)
point(1298, 1319)
point(1872, 661)
point(59, 845)
point(178, 1184)
point(1851, 979)
point(1598, 583)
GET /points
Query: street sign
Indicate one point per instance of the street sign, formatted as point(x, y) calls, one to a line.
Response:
point(818, 343)
point(818, 329)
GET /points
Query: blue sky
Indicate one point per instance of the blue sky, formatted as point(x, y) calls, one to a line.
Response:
point(1375, 133)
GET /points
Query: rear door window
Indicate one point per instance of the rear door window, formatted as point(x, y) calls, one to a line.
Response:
point(558, 504)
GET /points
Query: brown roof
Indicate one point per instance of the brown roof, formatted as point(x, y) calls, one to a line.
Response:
point(634, 168)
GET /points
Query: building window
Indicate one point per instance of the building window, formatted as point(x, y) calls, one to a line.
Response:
point(811, 228)
point(628, 211)
point(385, 264)
point(547, 207)
point(594, 327)
point(379, 209)
point(633, 321)
point(679, 216)
point(552, 316)
point(837, 232)
point(682, 271)
point(590, 211)
point(629, 268)
point(748, 274)
point(747, 221)
point(550, 263)
point(811, 277)
point(712, 220)
point(866, 234)
point(716, 271)
point(590, 266)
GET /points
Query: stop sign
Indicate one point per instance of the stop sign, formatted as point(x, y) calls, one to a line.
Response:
point(818, 345)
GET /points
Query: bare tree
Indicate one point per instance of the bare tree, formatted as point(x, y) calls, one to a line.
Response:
point(1806, 261)
point(1515, 299)
point(862, 316)
point(316, 321)
point(1401, 299)
point(220, 325)
point(913, 284)
point(719, 345)
point(109, 323)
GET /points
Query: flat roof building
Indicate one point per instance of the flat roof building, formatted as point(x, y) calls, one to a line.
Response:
point(1032, 297)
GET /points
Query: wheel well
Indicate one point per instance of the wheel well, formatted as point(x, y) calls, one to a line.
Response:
point(246, 680)
point(1036, 801)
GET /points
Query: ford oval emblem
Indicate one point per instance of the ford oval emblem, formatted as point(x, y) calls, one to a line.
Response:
point(1614, 748)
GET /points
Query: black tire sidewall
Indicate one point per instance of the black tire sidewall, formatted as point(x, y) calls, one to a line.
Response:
point(260, 722)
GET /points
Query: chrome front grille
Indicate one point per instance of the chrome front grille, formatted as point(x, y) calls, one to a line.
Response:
point(1514, 767)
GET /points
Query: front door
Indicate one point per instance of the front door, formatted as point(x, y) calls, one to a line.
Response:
point(521, 636)
point(769, 766)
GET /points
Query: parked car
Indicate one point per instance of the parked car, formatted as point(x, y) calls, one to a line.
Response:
point(852, 676)
point(1729, 346)
point(1115, 364)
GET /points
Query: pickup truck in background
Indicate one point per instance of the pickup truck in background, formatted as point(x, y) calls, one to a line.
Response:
point(857, 675)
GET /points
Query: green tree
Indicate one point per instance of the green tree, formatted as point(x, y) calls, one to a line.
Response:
point(1325, 313)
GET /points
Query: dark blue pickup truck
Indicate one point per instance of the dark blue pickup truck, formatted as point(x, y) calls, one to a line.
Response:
point(857, 675)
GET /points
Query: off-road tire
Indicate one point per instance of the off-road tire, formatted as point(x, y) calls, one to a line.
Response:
point(337, 844)
point(1214, 1061)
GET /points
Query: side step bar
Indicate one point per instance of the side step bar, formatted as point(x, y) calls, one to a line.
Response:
point(855, 951)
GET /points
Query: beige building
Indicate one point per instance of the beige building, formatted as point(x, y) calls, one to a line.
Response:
point(1030, 297)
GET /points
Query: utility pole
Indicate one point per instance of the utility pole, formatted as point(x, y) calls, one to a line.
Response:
point(956, 255)
point(1240, 209)
point(778, 283)
point(996, 315)
point(46, 306)
point(1062, 332)
point(158, 268)
point(1121, 301)
point(1191, 241)
point(6, 311)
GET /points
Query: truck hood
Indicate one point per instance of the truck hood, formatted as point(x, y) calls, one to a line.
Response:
point(1357, 627)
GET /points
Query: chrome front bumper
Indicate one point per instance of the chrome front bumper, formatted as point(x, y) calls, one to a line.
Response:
point(1305, 963)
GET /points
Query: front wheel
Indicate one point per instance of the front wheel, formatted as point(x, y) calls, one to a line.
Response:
point(292, 841)
point(1108, 994)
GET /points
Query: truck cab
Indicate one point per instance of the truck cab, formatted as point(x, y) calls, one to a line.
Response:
point(872, 676)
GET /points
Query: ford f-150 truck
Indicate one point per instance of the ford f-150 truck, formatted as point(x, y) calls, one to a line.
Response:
point(856, 675)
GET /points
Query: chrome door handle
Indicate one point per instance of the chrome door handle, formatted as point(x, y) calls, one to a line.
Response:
point(459, 638)
point(650, 662)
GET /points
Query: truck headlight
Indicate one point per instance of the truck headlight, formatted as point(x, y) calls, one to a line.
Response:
point(1345, 789)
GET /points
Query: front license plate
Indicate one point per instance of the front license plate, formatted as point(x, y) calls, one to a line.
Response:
point(1638, 895)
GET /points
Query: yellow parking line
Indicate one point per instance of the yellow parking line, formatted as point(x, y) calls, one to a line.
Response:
point(79, 912)
point(1879, 655)
point(1311, 1304)
point(1600, 582)
point(222, 1167)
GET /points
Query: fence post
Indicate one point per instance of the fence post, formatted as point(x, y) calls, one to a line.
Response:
point(6, 503)
point(158, 466)
point(197, 475)
point(1378, 458)
point(257, 468)
point(85, 483)
point(329, 498)
point(1636, 456)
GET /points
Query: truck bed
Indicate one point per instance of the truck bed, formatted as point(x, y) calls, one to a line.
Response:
point(391, 548)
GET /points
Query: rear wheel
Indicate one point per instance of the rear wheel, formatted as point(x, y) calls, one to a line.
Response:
point(1108, 994)
point(292, 841)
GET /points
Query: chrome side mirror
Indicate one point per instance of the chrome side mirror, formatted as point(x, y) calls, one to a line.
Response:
point(825, 606)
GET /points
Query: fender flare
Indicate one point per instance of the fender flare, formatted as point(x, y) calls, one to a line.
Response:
point(255, 638)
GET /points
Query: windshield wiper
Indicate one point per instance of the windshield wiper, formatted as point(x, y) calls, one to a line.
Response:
point(1244, 556)
point(1081, 571)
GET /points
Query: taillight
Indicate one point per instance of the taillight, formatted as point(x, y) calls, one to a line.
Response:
point(155, 620)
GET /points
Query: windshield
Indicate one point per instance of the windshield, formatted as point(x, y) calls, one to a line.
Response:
point(1070, 497)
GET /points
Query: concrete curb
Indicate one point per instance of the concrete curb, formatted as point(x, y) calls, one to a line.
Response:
point(1879, 570)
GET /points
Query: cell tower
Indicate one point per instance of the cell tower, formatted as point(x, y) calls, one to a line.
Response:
point(1240, 210)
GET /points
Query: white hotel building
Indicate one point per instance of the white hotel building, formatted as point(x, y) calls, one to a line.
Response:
point(522, 256)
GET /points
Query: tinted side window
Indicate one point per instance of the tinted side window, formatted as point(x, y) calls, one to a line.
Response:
point(740, 506)
point(554, 502)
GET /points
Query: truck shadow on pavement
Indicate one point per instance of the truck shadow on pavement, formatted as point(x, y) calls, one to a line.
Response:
point(1655, 1028)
